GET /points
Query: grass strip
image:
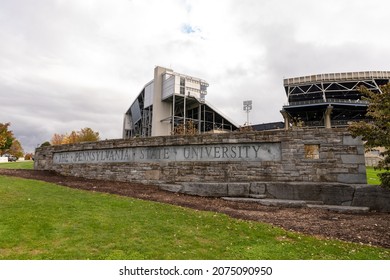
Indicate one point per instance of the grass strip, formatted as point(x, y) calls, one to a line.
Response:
point(40, 220)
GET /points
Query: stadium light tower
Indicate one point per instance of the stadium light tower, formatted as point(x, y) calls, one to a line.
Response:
point(247, 108)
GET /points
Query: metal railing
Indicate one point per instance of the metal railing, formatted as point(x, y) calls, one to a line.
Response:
point(347, 76)
point(328, 101)
point(334, 123)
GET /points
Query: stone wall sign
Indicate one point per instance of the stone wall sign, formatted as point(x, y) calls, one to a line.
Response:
point(303, 155)
point(220, 152)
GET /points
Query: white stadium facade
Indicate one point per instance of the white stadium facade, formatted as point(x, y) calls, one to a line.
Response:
point(170, 100)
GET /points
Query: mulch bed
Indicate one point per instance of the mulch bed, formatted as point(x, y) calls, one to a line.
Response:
point(370, 228)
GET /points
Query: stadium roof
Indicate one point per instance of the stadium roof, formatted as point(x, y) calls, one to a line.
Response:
point(345, 76)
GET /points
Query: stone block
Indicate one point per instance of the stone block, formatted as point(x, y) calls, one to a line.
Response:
point(352, 178)
point(205, 189)
point(229, 140)
point(282, 202)
point(336, 194)
point(362, 169)
point(348, 140)
point(327, 155)
point(281, 190)
point(241, 199)
point(290, 167)
point(375, 197)
point(171, 187)
point(330, 193)
point(357, 159)
point(152, 174)
point(341, 209)
point(361, 150)
point(257, 188)
point(238, 189)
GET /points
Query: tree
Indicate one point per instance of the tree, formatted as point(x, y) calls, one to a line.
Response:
point(6, 137)
point(84, 135)
point(188, 129)
point(71, 138)
point(376, 132)
point(88, 135)
point(8, 143)
point(57, 139)
point(245, 128)
point(29, 156)
point(45, 144)
point(16, 149)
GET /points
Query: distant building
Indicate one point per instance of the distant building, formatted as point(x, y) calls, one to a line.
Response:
point(373, 157)
point(330, 100)
point(171, 100)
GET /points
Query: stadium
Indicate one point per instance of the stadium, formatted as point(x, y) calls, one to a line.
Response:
point(329, 100)
point(170, 101)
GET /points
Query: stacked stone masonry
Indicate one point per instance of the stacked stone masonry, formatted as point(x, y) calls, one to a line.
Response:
point(293, 164)
point(272, 156)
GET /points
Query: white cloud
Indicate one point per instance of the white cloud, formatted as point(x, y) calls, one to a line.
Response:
point(69, 64)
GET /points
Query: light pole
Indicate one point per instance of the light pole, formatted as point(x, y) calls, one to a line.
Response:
point(202, 101)
point(247, 107)
point(184, 119)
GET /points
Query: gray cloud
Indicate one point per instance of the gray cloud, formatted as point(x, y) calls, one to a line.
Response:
point(65, 65)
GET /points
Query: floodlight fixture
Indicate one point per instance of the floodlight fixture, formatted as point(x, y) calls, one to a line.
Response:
point(247, 105)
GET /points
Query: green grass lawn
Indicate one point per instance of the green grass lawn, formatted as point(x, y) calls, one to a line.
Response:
point(39, 220)
point(28, 164)
point(372, 176)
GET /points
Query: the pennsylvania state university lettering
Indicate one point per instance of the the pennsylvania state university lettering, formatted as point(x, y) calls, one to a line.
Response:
point(222, 152)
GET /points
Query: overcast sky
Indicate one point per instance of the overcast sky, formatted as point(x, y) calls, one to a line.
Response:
point(70, 64)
